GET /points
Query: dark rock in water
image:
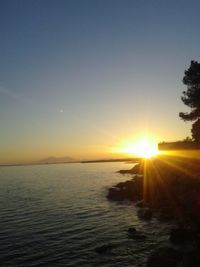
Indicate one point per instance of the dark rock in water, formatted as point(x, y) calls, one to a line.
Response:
point(125, 171)
point(165, 214)
point(104, 248)
point(125, 185)
point(140, 204)
point(182, 235)
point(164, 257)
point(129, 190)
point(134, 234)
point(191, 259)
point(145, 214)
point(132, 230)
point(123, 191)
point(135, 170)
point(120, 185)
point(116, 194)
point(172, 192)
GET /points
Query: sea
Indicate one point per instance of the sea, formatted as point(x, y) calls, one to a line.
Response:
point(57, 214)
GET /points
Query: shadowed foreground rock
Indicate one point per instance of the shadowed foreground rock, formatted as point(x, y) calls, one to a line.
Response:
point(182, 235)
point(164, 257)
point(104, 248)
point(134, 234)
point(129, 190)
point(137, 169)
point(145, 213)
point(168, 185)
point(168, 188)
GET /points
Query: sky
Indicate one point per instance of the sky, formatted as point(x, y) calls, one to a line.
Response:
point(80, 77)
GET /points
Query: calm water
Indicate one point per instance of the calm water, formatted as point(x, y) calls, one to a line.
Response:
point(55, 215)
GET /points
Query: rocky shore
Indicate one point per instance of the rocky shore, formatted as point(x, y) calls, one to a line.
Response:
point(167, 188)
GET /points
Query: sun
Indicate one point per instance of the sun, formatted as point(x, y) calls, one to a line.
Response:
point(145, 148)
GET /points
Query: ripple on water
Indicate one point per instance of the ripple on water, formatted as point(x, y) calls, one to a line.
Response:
point(56, 215)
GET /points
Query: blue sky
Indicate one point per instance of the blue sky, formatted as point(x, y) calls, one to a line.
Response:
point(79, 77)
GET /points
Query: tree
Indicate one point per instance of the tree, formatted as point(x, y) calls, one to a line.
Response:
point(191, 98)
point(196, 131)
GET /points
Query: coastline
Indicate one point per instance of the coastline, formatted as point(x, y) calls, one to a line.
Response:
point(168, 189)
point(131, 160)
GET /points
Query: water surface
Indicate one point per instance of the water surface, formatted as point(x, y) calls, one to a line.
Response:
point(55, 215)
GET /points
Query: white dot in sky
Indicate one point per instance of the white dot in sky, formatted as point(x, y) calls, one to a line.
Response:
point(61, 110)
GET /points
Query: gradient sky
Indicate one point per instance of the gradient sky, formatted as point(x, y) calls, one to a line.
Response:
point(80, 77)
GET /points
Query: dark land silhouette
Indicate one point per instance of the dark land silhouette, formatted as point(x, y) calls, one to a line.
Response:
point(166, 188)
point(191, 98)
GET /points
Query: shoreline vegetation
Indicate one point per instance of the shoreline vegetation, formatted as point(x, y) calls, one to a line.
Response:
point(187, 144)
point(167, 188)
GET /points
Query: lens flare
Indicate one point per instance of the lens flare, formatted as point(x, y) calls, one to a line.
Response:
point(145, 148)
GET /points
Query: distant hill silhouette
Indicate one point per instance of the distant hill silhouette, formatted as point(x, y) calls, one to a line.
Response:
point(50, 160)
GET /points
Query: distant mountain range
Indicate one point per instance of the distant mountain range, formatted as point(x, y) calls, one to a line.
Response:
point(50, 160)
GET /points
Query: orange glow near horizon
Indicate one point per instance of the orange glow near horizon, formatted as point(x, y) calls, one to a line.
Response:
point(144, 147)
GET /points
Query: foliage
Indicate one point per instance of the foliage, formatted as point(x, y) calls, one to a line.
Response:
point(196, 131)
point(191, 98)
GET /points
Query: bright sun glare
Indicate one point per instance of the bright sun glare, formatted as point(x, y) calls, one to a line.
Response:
point(144, 148)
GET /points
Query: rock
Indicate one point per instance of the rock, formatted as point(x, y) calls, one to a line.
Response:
point(125, 171)
point(145, 214)
point(164, 257)
point(182, 235)
point(131, 230)
point(115, 194)
point(140, 204)
point(123, 191)
point(135, 170)
point(165, 214)
point(191, 259)
point(104, 248)
point(125, 185)
point(134, 234)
